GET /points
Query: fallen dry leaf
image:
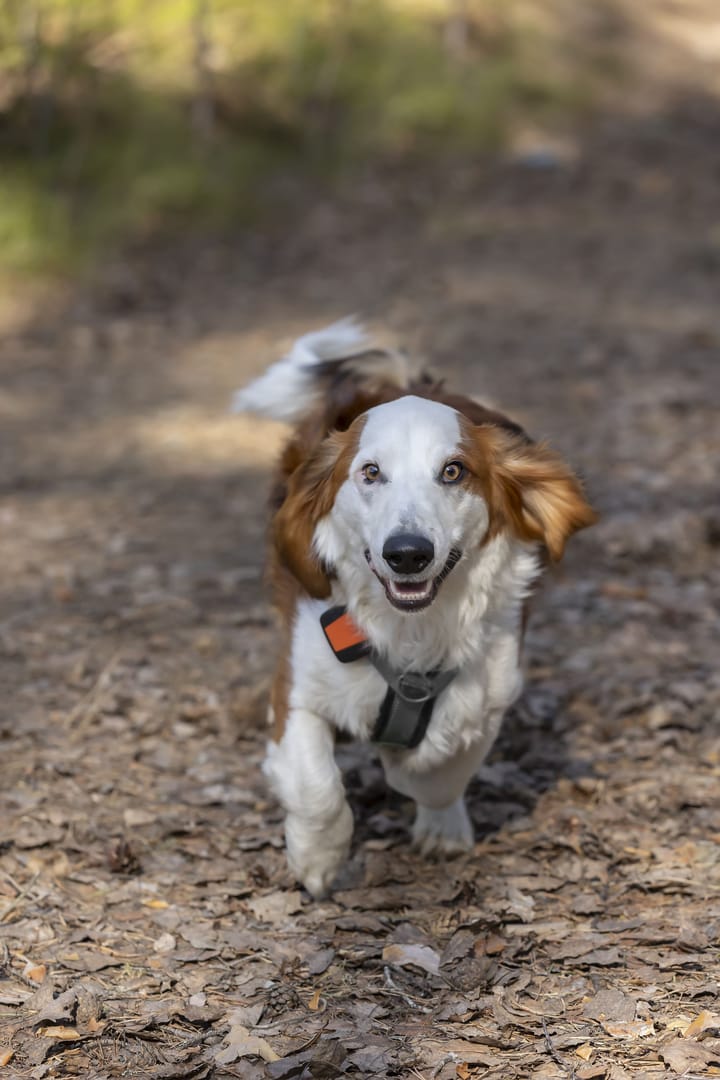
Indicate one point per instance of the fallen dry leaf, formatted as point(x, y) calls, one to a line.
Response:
point(275, 907)
point(320, 961)
point(246, 1015)
point(6, 1056)
point(323, 1058)
point(688, 1055)
point(421, 956)
point(591, 1072)
point(165, 943)
point(520, 904)
point(629, 1029)
point(585, 1051)
point(610, 1004)
point(617, 1072)
point(469, 1052)
point(32, 834)
point(87, 961)
point(370, 1060)
point(58, 1032)
point(135, 816)
point(704, 1021)
point(678, 1023)
point(241, 1043)
point(43, 1006)
point(35, 972)
point(492, 945)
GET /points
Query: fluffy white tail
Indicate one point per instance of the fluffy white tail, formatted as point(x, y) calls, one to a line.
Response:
point(291, 388)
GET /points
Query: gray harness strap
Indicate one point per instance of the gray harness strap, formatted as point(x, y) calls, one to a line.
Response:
point(408, 705)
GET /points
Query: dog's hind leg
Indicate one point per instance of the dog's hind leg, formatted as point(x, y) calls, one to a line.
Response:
point(443, 832)
point(303, 773)
point(442, 825)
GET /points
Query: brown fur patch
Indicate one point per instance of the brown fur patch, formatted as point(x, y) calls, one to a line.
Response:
point(294, 568)
point(311, 491)
point(286, 590)
point(529, 488)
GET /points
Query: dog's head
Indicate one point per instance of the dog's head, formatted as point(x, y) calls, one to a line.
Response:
point(410, 488)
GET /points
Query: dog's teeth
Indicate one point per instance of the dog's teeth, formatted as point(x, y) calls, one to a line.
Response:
point(411, 590)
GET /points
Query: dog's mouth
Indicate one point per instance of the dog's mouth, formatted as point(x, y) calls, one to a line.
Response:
point(414, 595)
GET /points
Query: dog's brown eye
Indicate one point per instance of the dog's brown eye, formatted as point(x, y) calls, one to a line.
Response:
point(452, 472)
point(370, 472)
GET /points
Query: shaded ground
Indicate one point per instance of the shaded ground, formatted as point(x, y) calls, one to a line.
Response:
point(142, 877)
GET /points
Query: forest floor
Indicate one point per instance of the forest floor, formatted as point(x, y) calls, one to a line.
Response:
point(148, 924)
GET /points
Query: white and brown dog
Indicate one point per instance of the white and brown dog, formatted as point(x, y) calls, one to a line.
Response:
point(409, 525)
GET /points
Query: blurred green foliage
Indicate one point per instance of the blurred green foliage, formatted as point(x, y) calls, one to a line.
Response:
point(120, 119)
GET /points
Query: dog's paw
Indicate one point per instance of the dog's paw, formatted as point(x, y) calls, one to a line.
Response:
point(443, 832)
point(318, 879)
point(317, 852)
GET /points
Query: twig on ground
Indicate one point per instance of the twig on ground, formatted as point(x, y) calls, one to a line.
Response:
point(16, 901)
point(396, 990)
point(83, 710)
point(570, 1070)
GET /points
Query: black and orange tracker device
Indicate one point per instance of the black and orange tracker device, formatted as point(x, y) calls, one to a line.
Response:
point(346, 641)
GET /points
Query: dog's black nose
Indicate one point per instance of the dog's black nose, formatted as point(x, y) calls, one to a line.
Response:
point(407, 553)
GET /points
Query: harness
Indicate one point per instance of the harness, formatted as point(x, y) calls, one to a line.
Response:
point(408, 704)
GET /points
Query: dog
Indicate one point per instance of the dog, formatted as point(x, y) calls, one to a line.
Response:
point(408, 527)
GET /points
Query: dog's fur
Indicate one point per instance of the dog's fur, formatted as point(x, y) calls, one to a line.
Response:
point(514, 504)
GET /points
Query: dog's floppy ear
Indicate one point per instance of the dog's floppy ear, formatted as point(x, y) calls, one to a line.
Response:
point(311, 491)
point(537, 495)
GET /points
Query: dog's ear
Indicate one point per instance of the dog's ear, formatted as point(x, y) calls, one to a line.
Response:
point(536, 494)
point(311, 491)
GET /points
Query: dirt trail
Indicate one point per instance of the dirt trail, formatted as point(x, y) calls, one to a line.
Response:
point(141, 871)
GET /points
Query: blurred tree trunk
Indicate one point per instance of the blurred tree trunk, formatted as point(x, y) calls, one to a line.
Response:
point(457, 30)
point(35, 89)
point(329, 75)
point(203, 116)
point(30, 38)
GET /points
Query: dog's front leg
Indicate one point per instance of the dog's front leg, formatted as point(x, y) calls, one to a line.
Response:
point(305, 777)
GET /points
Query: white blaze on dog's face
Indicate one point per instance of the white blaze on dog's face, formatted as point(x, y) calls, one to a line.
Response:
point(406, 508)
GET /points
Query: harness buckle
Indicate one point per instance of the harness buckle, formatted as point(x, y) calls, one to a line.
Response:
point(414, 687)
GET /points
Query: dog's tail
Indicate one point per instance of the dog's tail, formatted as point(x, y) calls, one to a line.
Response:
point(299, 383)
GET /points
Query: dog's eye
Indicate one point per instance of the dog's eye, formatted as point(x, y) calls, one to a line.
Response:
point(452, 472)
point(370, 472)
